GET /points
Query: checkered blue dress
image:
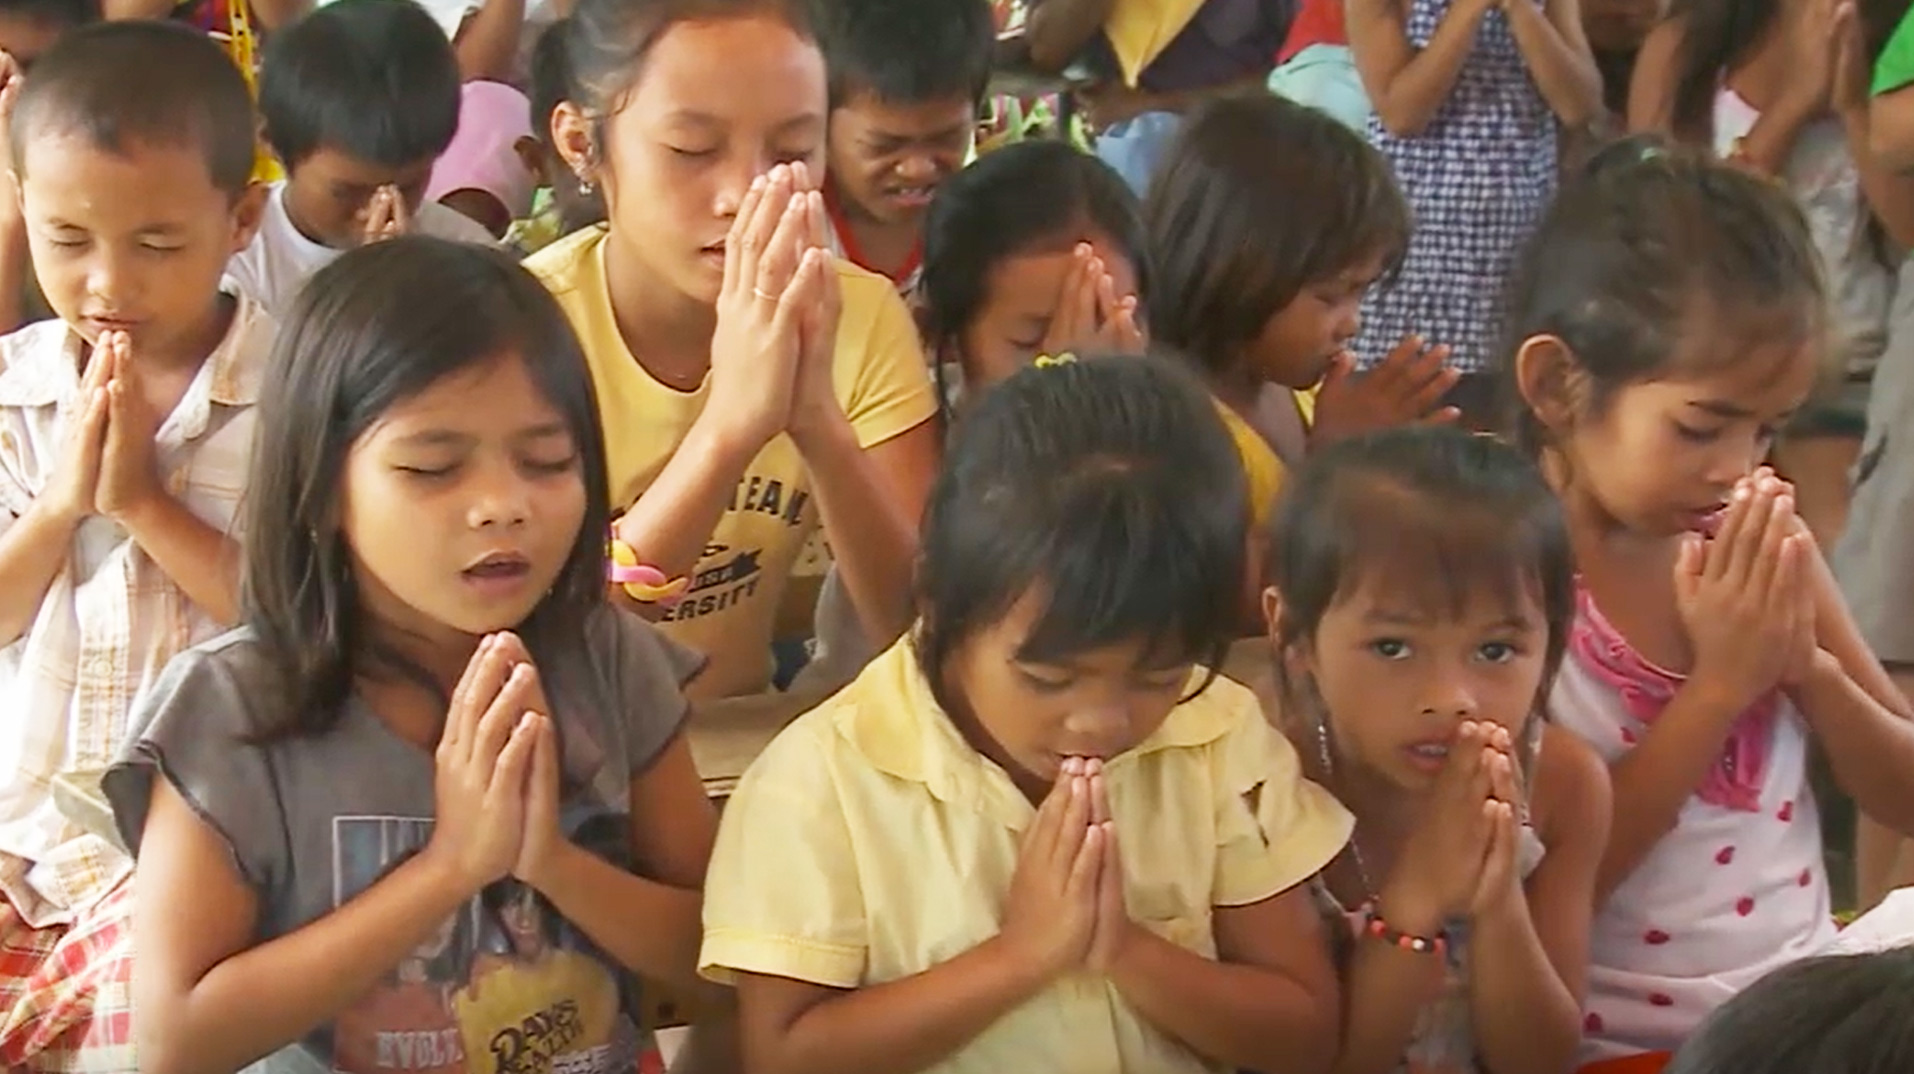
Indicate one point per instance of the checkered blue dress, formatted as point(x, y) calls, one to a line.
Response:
point(1477, 179)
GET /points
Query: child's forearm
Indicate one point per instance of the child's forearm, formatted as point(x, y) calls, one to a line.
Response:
point(487, 43)
point(673, 519)
point(32, 552)
point(899, 1027)
point(1057, 30)
point(1235, 1015)
point(1388, 987)
point(1525, 1019)
point(873, 540)
point(202, 561)
point(270, 996)
point(650, 928)
point(1836, 631)
point(1767, 145)
point(1869, 748)
point(1654, 780)
point(1408, 85)
point(1890, 125)
point(1564, 74)
point(1889, 191)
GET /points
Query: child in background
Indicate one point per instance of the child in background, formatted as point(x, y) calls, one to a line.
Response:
point(754, 388)
point(1669, 317)
point(1469, 96)
point(125, 439)
point(28, 28)
point(1152, 61)
point(1420, 605)
point(1267, 225)
point(1026, 254)
point(489, 170)
point(1035, 249)
point(1122, 841)
point(429, 711)
point(1871, 560)
point(564, 202)
point(1846, 1014)
point(1316, 68)
point(359, 99)
point(906, 79)
point(1754, 81)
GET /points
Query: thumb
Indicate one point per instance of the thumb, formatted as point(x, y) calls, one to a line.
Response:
point(1688, 565)
point(545, 766)
point(1341, 368)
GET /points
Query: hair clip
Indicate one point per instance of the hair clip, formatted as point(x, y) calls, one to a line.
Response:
point(643, 582)
point(1046, 361)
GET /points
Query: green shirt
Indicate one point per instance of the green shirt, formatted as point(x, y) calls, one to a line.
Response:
point(1895, 68)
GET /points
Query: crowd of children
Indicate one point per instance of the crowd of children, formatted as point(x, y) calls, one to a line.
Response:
point(1353, 580)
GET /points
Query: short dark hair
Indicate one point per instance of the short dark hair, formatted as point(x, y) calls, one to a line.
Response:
point(55, 12)
point(1646, 235)
point(908, 51)
point(375, 79)
point(1448, 512)
point(377, 326)
point(1838, 1014)
point(1110, 488)
point(83, 85)
point(1018, 199)
point(1258, 198)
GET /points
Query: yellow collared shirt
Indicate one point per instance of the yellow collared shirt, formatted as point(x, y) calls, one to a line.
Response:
point(870, 842)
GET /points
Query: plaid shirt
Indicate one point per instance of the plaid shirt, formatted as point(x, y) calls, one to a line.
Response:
point(111, 618)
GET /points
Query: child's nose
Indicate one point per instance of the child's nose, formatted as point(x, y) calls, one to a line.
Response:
point(1097, 731)
point(1449, 693)
point(499, 502)
point(917, 168)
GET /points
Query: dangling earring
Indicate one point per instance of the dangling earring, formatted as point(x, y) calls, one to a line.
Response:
point(584, 186)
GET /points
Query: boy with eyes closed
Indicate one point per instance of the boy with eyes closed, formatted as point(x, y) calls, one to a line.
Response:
point(125, 433)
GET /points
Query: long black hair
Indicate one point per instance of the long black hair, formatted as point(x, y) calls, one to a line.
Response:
point(377, 326)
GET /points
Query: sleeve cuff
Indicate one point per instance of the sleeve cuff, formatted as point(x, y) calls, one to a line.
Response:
point(728, 952)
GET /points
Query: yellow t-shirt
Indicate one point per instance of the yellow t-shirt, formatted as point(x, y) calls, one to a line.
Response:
point(735, 588)
point(1261, 464)
point(869, 842)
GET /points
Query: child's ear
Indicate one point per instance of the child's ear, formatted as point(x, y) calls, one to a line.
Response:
point(572, 135)
point(1297, 654)
point(1545, 377)
point(531, 154)
point(248, 211)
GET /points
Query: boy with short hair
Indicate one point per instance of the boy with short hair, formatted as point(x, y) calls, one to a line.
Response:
point(359, 99)
point(125, 433)
point(906, 78)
